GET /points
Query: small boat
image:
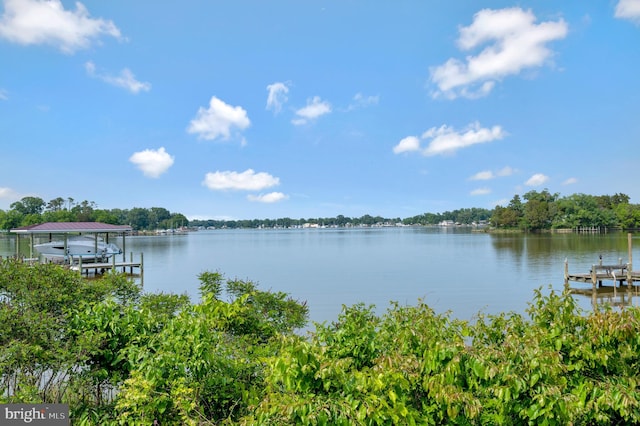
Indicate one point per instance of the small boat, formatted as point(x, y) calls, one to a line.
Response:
point(87, 248)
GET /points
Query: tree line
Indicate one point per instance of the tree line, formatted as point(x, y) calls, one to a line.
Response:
point(534, 211)
point(543, 210)
point(121, 357)
point(34, 210)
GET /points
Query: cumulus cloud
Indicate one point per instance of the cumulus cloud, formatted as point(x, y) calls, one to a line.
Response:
point(218, 120)
point(272, 197)
point(628, 9)
point(153, 163)
point(537, 180)
point(8, 193)
point(505, 171)
point(408, 144)
point(484, 175)
point(488, 174)
point(361, 101)
point(446, 140)
point(315, 108)
point(245, 181)
point(513, 42)
point(570, 181)
point(277, 96)
point(481, 191)
point(125, 79)
point(31, 22)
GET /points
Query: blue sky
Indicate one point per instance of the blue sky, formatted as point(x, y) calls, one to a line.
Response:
point(256, 109)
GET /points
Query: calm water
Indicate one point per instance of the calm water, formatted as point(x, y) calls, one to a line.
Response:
point(450, 269)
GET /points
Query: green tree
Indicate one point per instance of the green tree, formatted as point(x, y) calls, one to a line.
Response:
point(83, 211)
point(138, 218)
point(207, 362)
point(628, 215)
point(510, 216)
point(37, 360)
point(10, 220)
point(56, 204)
point(29, 205)
point(539, 210)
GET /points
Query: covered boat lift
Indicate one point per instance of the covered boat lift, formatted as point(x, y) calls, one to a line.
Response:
point(70, 228)
point(65, 229)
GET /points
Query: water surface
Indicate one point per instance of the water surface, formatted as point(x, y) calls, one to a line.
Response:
point(451, 269)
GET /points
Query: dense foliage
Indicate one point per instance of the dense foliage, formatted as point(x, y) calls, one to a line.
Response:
point(34, 210)
point(534, 211)
point(121, 357)
point(542, 210)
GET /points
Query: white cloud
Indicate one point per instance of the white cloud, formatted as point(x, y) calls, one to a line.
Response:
point(514, 42)
point(125, 79)
point(446, 140)
point(153, 163)
point(3, 95)
point(505, 171)
point(570, 181)
point(315, 108)
point(362, 101)
point(484, 175)
point(628, 9)
point(537, 180)
point(245, 181)
point(8, 194)
point(218, 120)
point(31, 22)
point(272, 197)
point(277, 96)
point(481, 191)
point(488, 174)
point(408, 144)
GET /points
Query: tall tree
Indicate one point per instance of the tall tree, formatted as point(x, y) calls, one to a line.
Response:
point(29, 205)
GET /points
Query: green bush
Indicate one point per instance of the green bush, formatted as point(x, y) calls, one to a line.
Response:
point(120, 357)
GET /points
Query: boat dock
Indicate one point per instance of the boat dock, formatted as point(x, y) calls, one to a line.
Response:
point(617, 273)
point(131, 267)
point(87, 262)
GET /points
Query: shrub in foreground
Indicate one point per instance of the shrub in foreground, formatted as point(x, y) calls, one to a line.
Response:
point(120, 357)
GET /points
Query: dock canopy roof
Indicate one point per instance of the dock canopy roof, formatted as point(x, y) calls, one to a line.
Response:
point(68, 227)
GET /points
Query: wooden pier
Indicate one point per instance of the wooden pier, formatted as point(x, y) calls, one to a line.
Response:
point(617, 273)
point(135, 268)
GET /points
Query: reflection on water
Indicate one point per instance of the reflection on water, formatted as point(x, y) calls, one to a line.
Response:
point(451, 269)
point(609, 296)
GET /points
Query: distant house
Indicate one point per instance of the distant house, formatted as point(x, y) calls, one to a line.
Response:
point(446, 223)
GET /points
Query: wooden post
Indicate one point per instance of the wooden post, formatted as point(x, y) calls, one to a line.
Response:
point(593, 277)
point(124, 247)
point(630, 263)
point(566, 274)
point(141, 270)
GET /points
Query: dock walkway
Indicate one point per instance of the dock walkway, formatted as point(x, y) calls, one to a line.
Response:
point(617, 273)
point(136, 268)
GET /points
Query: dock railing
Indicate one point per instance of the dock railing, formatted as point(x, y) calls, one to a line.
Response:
point(112, 265)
